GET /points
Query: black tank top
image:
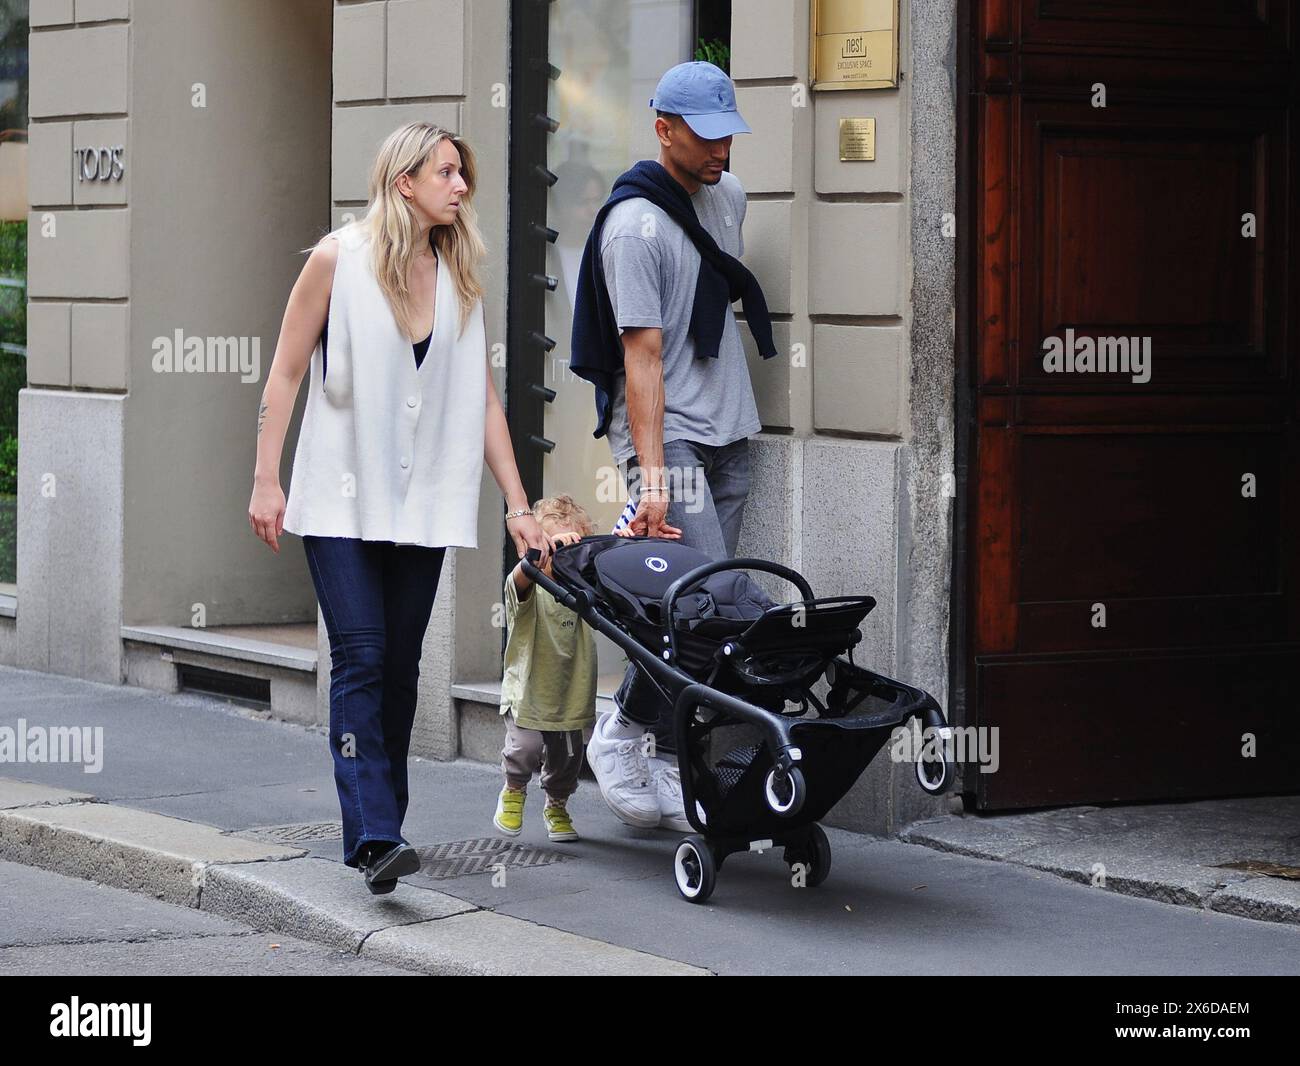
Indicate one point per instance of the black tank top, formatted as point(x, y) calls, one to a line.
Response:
point(421, 348)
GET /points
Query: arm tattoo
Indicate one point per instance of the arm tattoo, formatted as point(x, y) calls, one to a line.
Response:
point(261, 417)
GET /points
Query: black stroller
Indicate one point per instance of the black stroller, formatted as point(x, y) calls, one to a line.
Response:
point(708, 640)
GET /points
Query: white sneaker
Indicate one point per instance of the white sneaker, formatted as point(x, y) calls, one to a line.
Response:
point(623, 775)
point(672, 811)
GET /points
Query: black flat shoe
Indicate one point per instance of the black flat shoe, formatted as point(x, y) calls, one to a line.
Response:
point(382, 872)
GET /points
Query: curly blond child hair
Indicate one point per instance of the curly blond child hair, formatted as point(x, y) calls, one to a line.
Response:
point(565, 511)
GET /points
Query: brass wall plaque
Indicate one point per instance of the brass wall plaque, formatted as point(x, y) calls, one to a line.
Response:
point(857, 139)
point(854, 44)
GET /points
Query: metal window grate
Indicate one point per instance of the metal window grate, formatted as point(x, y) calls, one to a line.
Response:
point(293, 832)
point(438, 862)
point(247, 691)
point(460, 858)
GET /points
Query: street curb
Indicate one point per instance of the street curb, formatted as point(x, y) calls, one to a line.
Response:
point(1261, 898)
point(319, 900)
point(1225, 891)
point(284, 890)
point(125, 848)
point(15, 793)
point(477, 943)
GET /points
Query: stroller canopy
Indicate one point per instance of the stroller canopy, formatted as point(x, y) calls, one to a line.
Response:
point(632, 575)
point(726, 616)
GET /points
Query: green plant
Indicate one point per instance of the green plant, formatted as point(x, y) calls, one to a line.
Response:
point(13, 299)
point(8, 540)
point(716, 51)
point(13, 376)
point(13, 323)
point(13, 249)
point(8, 466)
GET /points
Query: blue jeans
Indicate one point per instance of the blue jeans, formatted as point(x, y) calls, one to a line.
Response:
point(376, 597)
point(707, 487)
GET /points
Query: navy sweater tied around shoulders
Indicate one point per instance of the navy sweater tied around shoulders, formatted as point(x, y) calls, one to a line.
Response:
point(596, 352)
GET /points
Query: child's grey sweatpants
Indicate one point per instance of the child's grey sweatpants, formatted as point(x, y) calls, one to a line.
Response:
point(557, 754)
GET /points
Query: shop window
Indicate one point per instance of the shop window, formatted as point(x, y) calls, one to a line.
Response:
point(13, 269)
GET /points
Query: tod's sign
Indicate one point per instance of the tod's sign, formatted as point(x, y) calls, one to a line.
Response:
point(100, 164)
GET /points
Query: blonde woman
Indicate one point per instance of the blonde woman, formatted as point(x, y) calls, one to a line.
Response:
point(401, 413)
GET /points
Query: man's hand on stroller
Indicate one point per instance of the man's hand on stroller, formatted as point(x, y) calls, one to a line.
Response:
point(651, 519)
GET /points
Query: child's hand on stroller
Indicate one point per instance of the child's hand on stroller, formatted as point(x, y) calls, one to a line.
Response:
point(559, 540)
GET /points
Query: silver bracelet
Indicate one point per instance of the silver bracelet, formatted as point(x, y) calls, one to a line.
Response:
point(519, 513)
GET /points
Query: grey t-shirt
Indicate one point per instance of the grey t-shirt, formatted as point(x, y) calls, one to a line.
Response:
point(651, 267)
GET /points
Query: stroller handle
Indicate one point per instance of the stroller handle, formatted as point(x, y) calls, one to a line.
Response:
point(578, 602)
point(582, 603)
point(694, 577)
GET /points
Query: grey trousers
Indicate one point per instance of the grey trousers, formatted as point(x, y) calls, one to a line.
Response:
point(557, 754)
point(708, 485)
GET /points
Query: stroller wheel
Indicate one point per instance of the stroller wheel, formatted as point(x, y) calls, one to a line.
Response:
point(695, 869)
point(815, 854)
point(935, 775)
point(785, 792)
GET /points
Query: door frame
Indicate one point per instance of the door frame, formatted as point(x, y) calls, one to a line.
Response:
point(960, 657)
point(526, 194)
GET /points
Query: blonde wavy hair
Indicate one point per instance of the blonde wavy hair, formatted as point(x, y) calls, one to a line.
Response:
point(392, 228)
point(565, 510)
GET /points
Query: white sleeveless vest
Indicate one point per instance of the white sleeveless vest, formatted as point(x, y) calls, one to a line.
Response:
point(388, 451)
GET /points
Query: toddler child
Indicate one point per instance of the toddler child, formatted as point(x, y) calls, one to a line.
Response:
point(548, 691)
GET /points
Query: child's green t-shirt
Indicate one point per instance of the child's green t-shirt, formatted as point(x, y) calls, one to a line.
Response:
point(550, 663)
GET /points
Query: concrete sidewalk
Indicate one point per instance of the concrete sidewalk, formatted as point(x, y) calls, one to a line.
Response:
point(203, 804)
point(1235, 856)
point(70, 927)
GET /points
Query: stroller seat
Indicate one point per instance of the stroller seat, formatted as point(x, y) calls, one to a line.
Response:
point(792, 641)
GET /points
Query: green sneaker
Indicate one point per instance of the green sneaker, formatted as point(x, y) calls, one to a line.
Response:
point(559, 826)
point(510, 812)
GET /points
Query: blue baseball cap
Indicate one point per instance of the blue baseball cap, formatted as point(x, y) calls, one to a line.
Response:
point(704, 96)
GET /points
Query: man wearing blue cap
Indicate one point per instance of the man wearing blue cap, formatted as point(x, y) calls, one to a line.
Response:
point(655, 333)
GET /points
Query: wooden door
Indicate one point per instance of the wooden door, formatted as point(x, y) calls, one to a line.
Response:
point(1133, 611)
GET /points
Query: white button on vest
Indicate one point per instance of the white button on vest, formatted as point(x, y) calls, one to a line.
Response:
point(417, 477)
